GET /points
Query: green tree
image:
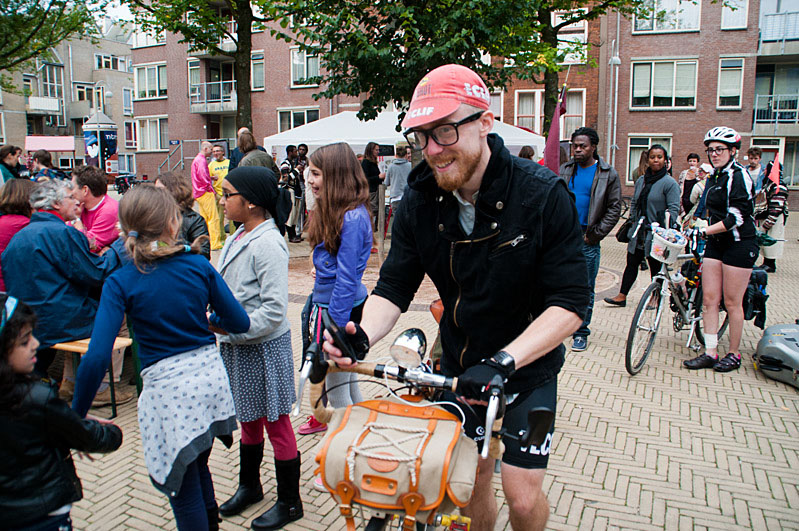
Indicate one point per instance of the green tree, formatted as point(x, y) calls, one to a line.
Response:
point(29, 28)
point(382, 48)
point(204, 25)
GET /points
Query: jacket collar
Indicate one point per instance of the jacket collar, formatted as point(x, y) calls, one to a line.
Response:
point(46, 215)
point(494, 190)
point(227, 255)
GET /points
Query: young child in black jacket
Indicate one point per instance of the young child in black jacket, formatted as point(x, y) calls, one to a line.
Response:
point(38, 483)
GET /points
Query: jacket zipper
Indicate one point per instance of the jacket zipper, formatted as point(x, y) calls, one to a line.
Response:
point(513, 243)
point(452, 273)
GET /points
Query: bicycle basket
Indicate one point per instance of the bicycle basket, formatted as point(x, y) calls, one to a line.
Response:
point(397, 458)
point(667, 244)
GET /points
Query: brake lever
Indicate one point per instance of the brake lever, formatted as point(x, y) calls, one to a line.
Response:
point(494, 410)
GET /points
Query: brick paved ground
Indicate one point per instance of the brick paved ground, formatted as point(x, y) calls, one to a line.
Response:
point(665, 449)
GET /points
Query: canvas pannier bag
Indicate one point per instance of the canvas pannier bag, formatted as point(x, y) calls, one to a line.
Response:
point(394, 457)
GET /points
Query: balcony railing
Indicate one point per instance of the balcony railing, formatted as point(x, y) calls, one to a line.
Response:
point(43, 105)
point(776, 29)
point(213, 97)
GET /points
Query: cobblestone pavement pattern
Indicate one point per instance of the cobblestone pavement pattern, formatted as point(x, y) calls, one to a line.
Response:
point(666, 449)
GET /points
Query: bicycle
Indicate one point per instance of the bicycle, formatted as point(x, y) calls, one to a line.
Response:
point(442, 462)
point(124, 182)
point(684, 291)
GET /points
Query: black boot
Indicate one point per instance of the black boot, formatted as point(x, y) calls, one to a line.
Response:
point(213, 519)
point(769, 265)
point(250, 490)
point(289, 505)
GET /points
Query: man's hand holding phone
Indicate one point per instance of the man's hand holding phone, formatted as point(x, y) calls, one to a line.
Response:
point(345, 347)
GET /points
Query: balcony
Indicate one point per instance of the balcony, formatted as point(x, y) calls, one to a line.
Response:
point(776, 115)
point(43, 105)
point(779, 34)
point(78, 110)
point(215, 97)
point(226, 43)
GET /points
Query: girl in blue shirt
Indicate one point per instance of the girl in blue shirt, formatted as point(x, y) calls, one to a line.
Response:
point(186, 400)
point(340, 234)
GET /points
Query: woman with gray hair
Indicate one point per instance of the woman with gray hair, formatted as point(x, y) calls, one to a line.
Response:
point(50, 266)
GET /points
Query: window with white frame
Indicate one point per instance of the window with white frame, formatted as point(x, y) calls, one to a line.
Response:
point(65, 163)
point(571, 38)
point(127, 101)
point(731, 73)
point(145, 38)
point(194, 81)
point(530, 111)
point(152, 134)
point(257, 71)
point(639, 144)
point(291, 118)
point(52, 81)
point(150, 81)
point(127, 163)
point(2, 129)
point(734, 14)
point(668, 16)
point(303, 67)
point(663, 84)
point(99, 98)
point(496, 104)
point(130, 135)
point(85, 93)
point(110, 62)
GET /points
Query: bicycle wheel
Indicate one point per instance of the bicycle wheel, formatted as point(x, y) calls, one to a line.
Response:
point(700, 328)
point(643, 329)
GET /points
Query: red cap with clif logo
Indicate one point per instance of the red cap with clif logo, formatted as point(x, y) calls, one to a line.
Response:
point(442, 91)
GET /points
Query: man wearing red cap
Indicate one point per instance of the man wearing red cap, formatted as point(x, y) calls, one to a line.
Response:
point(500, 238)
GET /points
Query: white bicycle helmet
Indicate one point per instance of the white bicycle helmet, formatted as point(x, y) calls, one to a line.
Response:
point(726, 135)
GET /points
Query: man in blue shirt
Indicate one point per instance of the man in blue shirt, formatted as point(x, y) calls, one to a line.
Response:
point(597, 197)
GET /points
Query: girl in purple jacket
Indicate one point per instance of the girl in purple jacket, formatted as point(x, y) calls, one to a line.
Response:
point(340, 235)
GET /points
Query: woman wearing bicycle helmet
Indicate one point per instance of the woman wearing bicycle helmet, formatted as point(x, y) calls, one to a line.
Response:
point(731, 249)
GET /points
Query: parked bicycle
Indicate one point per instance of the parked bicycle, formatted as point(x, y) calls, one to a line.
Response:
point(682, 289)
point(405, 461)
point(124, 182)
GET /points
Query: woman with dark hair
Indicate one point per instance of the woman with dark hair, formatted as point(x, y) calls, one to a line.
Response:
point(193, 225)
point(527, 152)
point(9, 160)
point(254, 156)
point(373, 176)
point(185, 401)
point(643, 164)
point(15, 212)
point(656, 199)
point(340, 235)
point(38, 482)
point(259, 363)
point(687, 180)
point(43, 167)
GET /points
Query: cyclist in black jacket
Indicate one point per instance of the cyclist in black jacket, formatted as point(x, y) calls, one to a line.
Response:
point(731, 249)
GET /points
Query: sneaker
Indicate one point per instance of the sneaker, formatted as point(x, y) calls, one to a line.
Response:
point(311, 426)
point(66, 390)
point(318, 485)
point(700, 362)
point(579, 343)
point(728, 363)
point(103, 398)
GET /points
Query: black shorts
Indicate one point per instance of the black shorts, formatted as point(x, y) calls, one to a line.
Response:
point(515, 421)
point(736, 254)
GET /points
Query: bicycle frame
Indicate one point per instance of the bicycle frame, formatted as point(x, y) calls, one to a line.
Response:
point(686, 311)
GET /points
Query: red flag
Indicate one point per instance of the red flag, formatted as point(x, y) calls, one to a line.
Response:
point(774, 174)
point(552, 148)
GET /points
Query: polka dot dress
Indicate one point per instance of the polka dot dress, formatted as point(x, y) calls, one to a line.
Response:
point(261, 378)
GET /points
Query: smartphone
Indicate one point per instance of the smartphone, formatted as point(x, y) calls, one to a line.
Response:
point(338, 336)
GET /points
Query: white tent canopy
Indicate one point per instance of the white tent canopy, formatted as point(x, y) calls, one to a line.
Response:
point(345, 127)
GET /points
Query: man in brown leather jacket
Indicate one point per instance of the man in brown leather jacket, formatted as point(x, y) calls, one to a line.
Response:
point(597, 193)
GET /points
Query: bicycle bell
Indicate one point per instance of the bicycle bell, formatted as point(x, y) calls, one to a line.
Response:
point(409, 348)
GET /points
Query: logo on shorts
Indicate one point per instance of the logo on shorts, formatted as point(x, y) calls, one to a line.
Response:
point(539, 450)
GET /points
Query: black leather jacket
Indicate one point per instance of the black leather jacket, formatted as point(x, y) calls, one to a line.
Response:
point(523, 256)
point(604, 210)
point(37, 474)
point(192, 228)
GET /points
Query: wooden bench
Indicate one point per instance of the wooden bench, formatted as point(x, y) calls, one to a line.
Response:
point(79, 347)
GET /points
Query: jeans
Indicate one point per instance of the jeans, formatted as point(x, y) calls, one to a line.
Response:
point(195, 497)
point(591, 253)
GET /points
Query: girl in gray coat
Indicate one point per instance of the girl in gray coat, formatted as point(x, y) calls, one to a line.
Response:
point(656, 194)
point(254, 263)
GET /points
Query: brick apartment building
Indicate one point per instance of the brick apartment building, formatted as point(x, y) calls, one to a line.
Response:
point(184, 97)
point(63, 90)
point(776, 120)
point(523, 103)
point(678, 77)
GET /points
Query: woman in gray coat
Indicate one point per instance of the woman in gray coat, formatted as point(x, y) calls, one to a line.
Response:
point(254, 263)
point(656, 195)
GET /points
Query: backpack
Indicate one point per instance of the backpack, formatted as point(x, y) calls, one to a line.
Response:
point(396, 457)
point(755, 298)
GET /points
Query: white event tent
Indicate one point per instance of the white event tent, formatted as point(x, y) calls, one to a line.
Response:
point(345, 127)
